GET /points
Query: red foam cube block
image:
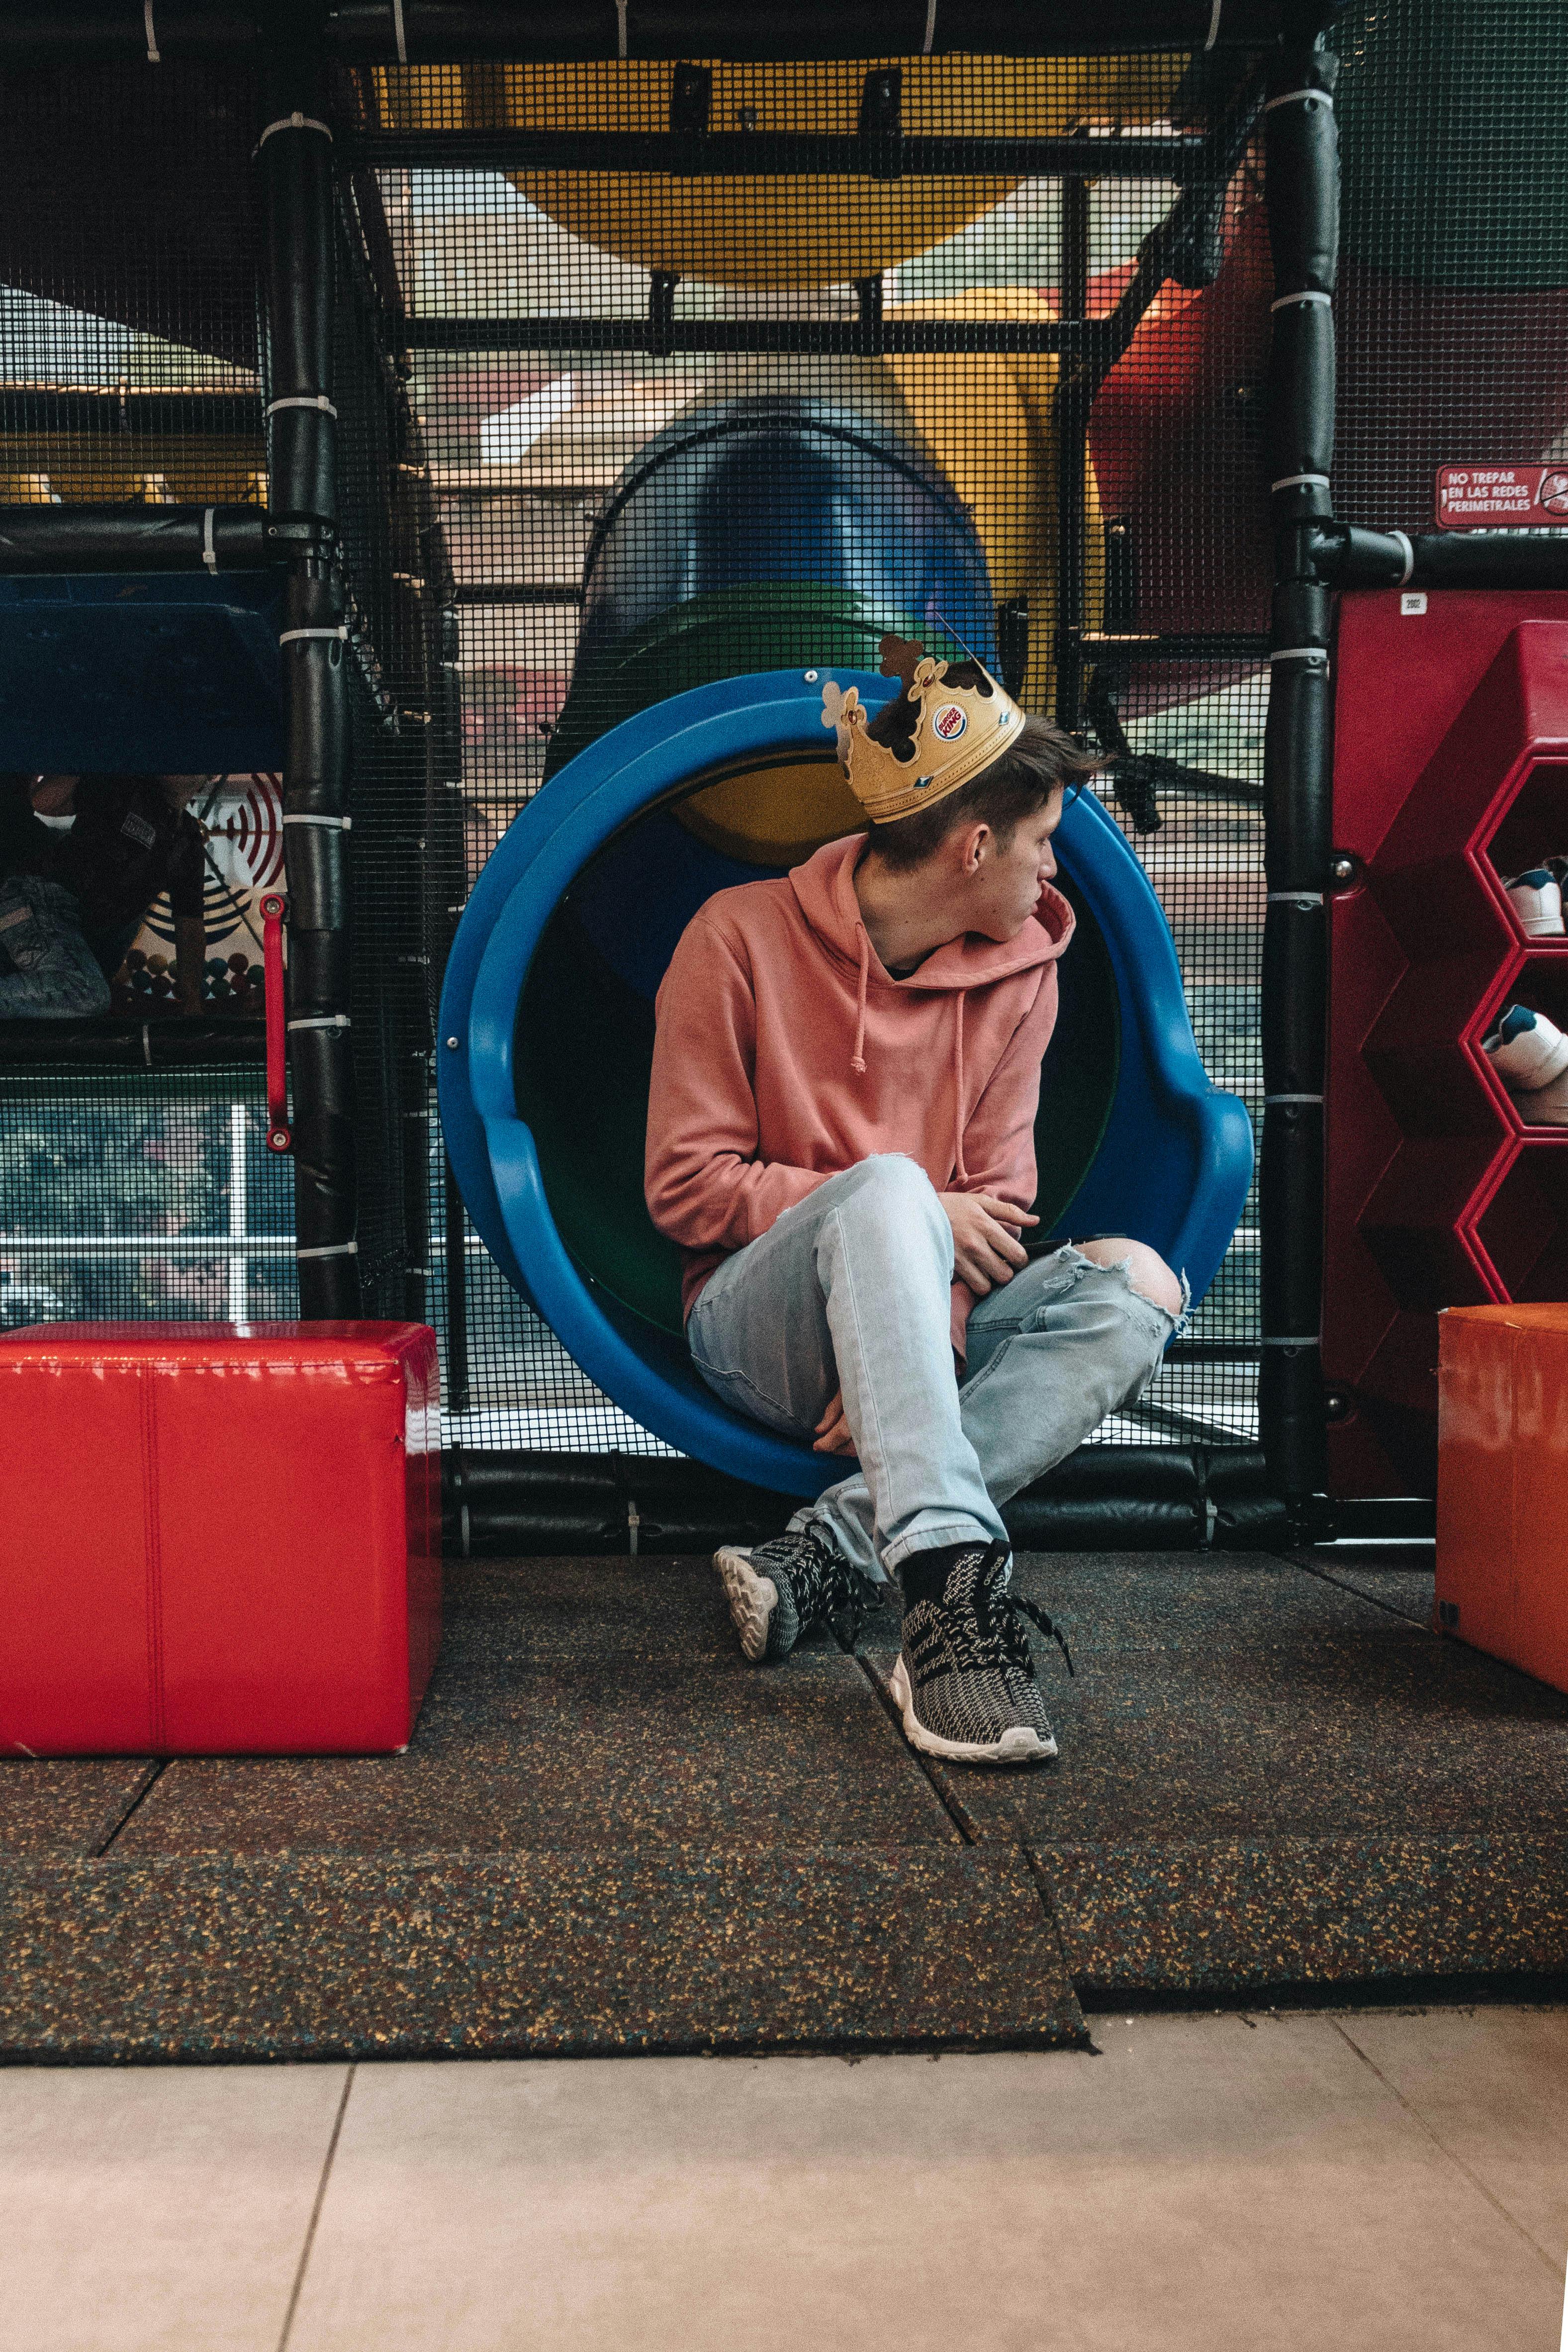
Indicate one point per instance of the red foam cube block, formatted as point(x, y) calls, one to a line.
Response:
point(217, 1538)
point(1502, 1471)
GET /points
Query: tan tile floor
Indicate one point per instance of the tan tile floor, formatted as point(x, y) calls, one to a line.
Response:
point(1397, 2182)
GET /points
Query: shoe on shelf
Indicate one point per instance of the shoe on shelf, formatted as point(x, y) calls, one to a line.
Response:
point(786, 1587)
point(1536, 897)
point(965, 1682)
point(1529, 1054)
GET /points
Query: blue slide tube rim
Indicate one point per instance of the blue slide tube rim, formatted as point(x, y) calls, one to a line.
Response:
point(492, 1150)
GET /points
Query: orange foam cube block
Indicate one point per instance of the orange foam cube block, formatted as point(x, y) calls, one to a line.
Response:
point(1502, 1472)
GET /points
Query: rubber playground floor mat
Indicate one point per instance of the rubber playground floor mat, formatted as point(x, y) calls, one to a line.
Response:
point(611, 1834)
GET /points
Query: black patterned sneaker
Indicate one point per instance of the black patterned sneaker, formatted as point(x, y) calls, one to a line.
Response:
point(964, 1680)
point(779, 1590)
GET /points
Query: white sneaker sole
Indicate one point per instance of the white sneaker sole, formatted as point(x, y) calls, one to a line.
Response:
point(752, 1598)
point(1546, 1105)
point(1017, 1746)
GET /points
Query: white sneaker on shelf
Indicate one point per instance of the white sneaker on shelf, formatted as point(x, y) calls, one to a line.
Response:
point(1529, 1054)
point(1537, 899)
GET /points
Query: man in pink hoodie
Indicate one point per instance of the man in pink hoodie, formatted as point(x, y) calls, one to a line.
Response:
point(841, 1136)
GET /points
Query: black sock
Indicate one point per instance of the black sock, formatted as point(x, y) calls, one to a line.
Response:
point(924, 1575)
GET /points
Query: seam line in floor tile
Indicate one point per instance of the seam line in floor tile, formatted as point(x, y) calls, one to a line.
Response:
point(305, 2251)
point(950, 1805)
point(1325, 1575)
point(1457, 2162)
point(143, 1790)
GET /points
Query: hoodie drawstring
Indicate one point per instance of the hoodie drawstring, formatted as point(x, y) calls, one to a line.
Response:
point(961, 1172)
point(857, 1059)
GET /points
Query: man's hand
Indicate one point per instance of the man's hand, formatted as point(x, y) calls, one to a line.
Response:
point(985, 1244)
point(833, 1430)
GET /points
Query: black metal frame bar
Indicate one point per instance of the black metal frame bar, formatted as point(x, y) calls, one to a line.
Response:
point(859, 337)
point(752, 154)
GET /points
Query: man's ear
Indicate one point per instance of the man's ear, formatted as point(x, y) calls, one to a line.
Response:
point(975, 844)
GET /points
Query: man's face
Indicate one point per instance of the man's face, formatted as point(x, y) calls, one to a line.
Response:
point(1012, 875)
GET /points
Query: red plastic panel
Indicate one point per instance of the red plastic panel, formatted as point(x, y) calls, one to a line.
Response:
point(1452, 736)
point(218, 1537)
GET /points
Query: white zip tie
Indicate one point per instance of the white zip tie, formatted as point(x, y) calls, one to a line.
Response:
point(209, 551)
point(398, 34)
point(1406, 543)
point(1214, 16)
point(1292, 898)
point(1314, 1340)
point(322, 1020)
point(342, 823)
point(146, 1045)
point(931, 28)
point(1285, 300)
point(289, 634)
point(1289, 98)
point(621, 27)
point(152, 56)
point(300, 400)
point(1301, 482)
point(337, 1249)
point(1300, 652)
point(295, 122)
point(1290, 1099)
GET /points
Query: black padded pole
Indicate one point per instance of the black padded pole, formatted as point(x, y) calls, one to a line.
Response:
point(81, 32)
point(41, 539)
point(1301, 159)
point(1441, 559)
point(295, 186)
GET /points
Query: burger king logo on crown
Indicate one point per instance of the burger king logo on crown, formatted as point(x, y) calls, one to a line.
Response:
point(958, 725)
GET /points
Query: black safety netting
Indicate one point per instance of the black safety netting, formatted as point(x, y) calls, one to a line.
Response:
point(610, 429)
point(128, 375)
point(681, 428)
point(145, 1194)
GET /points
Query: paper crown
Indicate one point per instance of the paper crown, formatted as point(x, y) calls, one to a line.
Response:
point(959, 730)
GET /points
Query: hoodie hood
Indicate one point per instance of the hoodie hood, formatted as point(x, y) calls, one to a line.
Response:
point(825, 888)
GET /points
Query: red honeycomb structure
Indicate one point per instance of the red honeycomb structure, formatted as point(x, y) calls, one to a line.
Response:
point(1450, 773)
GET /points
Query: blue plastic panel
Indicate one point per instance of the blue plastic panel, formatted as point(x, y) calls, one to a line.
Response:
point(142, 673)
point(1173, 1169)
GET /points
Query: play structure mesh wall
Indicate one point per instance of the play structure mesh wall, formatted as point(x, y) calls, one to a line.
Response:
point(568, 469)
point(573, 397)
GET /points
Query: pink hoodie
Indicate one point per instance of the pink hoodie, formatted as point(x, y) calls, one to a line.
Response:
point(785, 1053)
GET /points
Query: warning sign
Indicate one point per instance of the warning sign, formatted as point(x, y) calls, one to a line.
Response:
point(1502, 497)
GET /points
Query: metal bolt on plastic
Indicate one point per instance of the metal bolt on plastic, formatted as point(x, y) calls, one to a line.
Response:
point(451, 1044)
point(811, 678)
point(1342, 869)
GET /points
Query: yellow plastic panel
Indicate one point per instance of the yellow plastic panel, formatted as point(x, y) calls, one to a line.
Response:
point(774, 815)
point(987, 419)
point(798, 232)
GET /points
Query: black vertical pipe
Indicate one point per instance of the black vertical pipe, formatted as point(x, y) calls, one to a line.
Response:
point(1074, 398)
point(1301, 186)
point(294, 172)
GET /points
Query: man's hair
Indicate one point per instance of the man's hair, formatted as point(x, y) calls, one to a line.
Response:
point(1042, 761)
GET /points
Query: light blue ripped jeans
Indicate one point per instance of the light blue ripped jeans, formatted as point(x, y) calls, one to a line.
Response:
point(850, 1290)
